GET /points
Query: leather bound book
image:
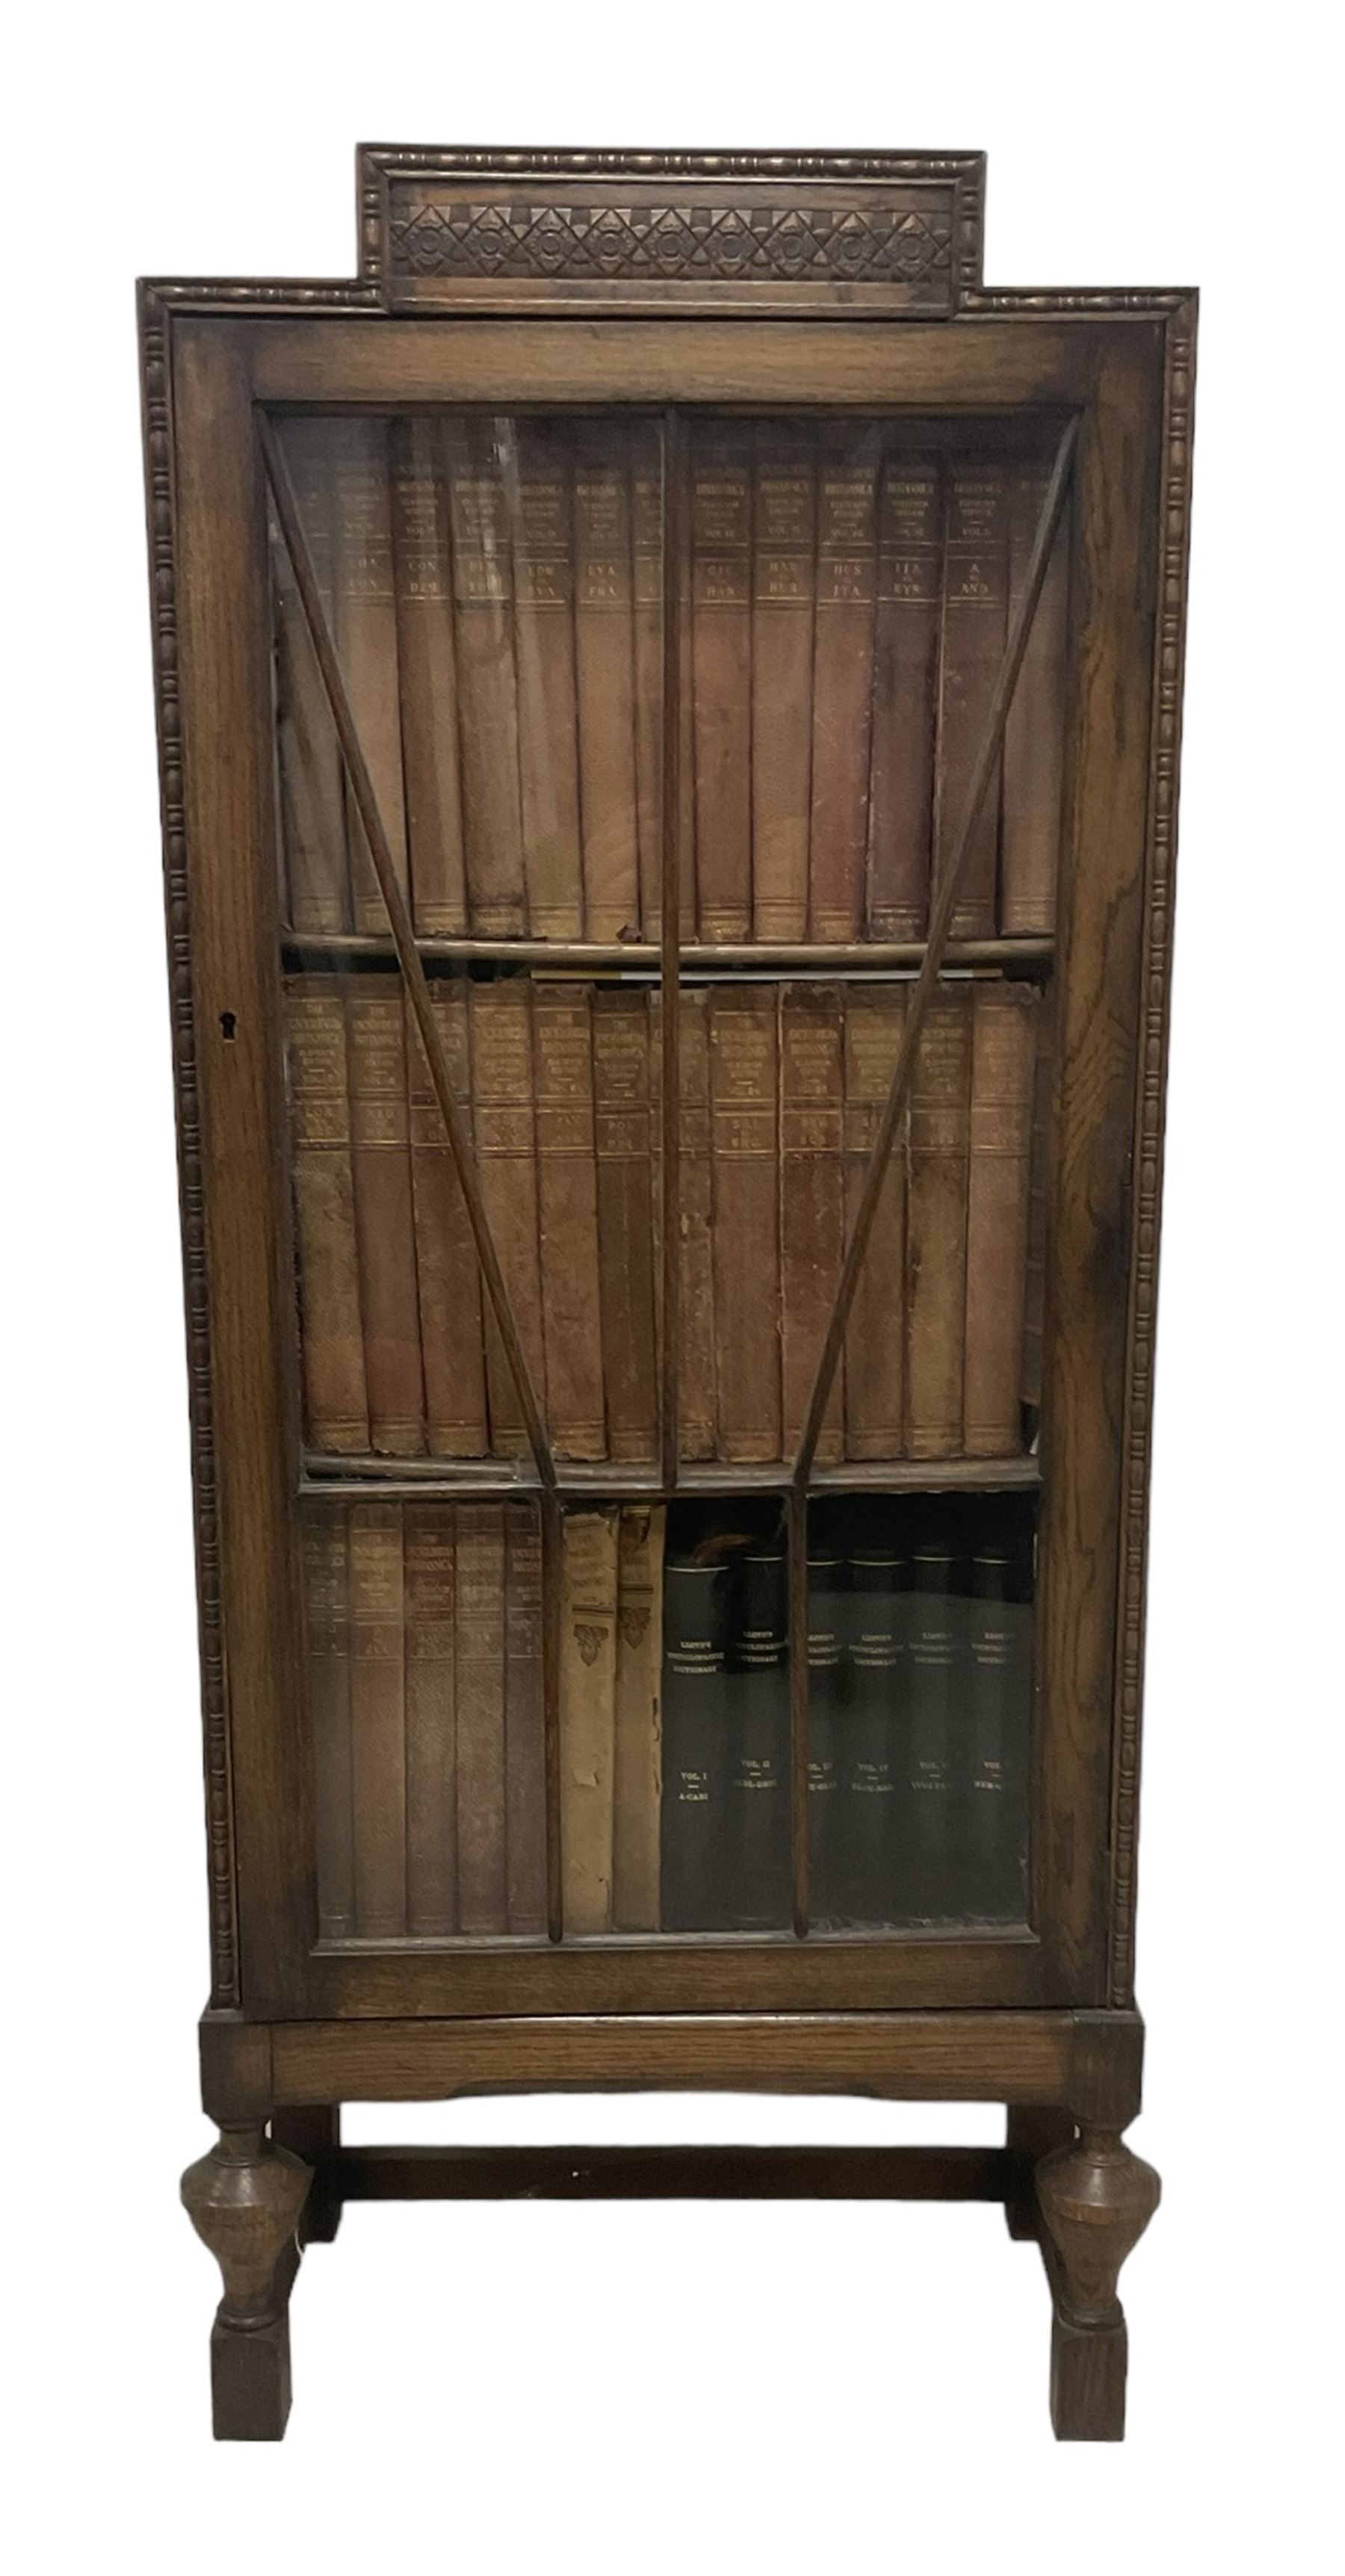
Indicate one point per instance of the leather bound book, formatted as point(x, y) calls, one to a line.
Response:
point(336, 1409)
point(646, 505)
point(1038, 1171)
point(934, 1716)
point(539, 492)
point(784, 541)
point(757, 1876)
point(1034, 733)
point(936, 1235)
point(875, 1339)
point(492, 821)
point(311, 779)
point(812, 1211)
point(327, 1640)
point(905, 695)
point(587, 1718)
point(427, 664)
point(721, 655)
point(975, 611)
point(847, 531)
point(448, 1278)
point(695, 1746)
point(605, 664)
point(478, 1665)
point(874, 1745)
point(639, 1718)
point(696, 1375)
point(567, 1192)
point(994, 1786)
point(622, 1111)
point(746, 1182)
point(524, 1727)
point(828, 1702)
point(1003, 1064)
point(381, 1157)
point(500, 1019)
point(378, 1721)
point(431, 1722)
point(366, 640)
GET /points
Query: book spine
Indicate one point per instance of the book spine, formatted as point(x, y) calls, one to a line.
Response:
point(427, 664)
point(927, 1836)
point(847, 530)
point(587, 1718)
point(336, 1408)
point(1034, 732)
point(381, 1157)
point(936, 1295)
point(696, 1374)
point(784, 543)
point(746, 1180)
point(828, 1681)
point(905, 683)
point(695, 1768)
point(975, 603)
point(999, 1714)
point(605, 663)
point(1003, 1052)
point(544, 648)
point(500, 1020)
point(478, 1664)
point(327, 1612)
point(812, 1209)
point(1034, 1293)
point(567, 1193)
point(366, 637)
point(647, 563)
point(639, 1719)
point(312, 807)
point(431, 1750)
point(378, 1720)
point(487, 697)
point(874, 1739)
point(621, 1082)
point(721, 684)
point(757, 1878)
point(524, 1727)
point(875, 1339)
point(448, 1280)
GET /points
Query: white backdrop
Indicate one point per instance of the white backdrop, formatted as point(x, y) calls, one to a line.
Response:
point(645, 2388)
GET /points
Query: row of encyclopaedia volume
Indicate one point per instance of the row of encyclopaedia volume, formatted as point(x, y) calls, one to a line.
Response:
point(495, 593)
point(674, 1716)
point(782, 1090)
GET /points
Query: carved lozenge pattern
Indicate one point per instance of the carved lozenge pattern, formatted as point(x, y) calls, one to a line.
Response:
point(520, 237)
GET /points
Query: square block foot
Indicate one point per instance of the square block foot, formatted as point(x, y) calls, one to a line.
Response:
point(1088, 2382)
point(250, 2381)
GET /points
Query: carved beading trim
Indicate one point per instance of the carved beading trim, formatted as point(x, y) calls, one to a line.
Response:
point(1165, 747)
point(163, 600)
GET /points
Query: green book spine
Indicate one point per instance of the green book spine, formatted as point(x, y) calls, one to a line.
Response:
point(828, 1679)
point(695, 1746)
point(994, 1783)
point(926, 1828)
point(874, 1732)
point(758, 1886)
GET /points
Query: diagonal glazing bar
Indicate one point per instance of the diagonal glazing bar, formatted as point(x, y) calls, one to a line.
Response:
point(922, 992)
point(403, 940)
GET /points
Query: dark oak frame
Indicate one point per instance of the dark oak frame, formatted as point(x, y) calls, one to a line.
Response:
point(671, 280)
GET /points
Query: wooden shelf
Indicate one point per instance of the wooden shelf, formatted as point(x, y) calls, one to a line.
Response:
point(355, 948)
point(490, 1479)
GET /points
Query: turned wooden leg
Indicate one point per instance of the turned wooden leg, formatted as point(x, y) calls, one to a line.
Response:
point(244, 2200)
point(1031, 2131)
point(314, 2133)
point(1096, 2200)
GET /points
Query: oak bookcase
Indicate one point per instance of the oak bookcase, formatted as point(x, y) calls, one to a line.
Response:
point(660, 594)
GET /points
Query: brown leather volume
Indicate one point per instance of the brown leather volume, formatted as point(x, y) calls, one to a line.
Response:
point(524, 1732)
point(936, 1248)
point(696, 1369)
point(336, 1410)
point(567, 1195)
point(784, 539)
point(621, 1042)
point(587, 1718)
point(875, 1339)
point(975, 606)
point(448, 1277)
point(488, 709)
point(646, 507)
point(431, 1723)
point(539, 493)
point(746, 1180)
point(847, 534)
point(1034, 734)
point(506, 1155)
point(378, 1722)
point(721, 640)
point(312, 808)
point(478, 1663)
point(812, 1216)
point(327, 1615)
point(905, 690)
point(637, 1795)
point(427, 663)
point(1034, 1295)
point(1003, 1053)
point(605, 666)
point(366, 639)
point(381, 1157)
